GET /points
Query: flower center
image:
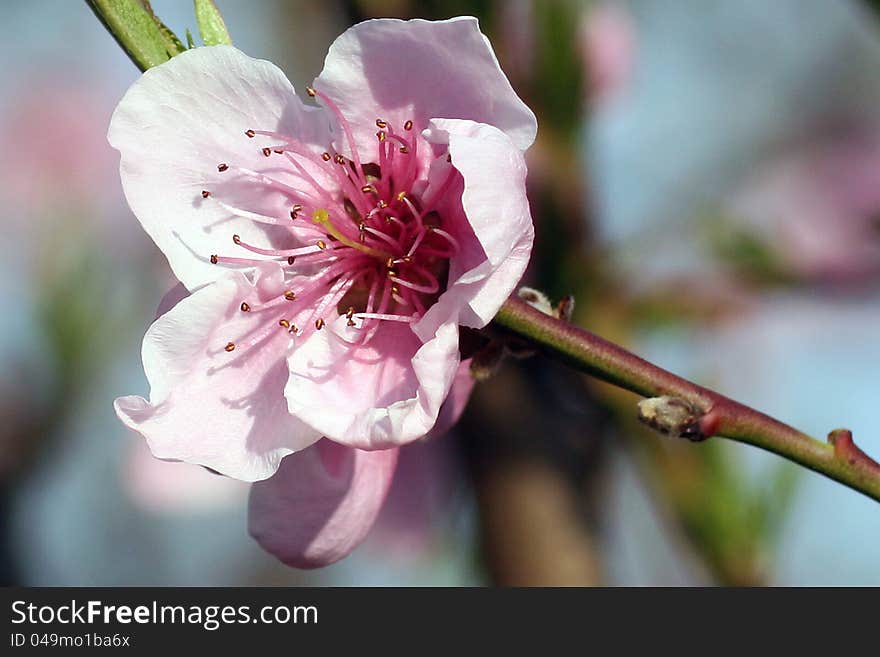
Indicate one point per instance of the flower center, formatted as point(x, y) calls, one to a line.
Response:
point(362, 239)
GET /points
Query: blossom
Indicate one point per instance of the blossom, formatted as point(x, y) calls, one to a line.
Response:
point(329, 251)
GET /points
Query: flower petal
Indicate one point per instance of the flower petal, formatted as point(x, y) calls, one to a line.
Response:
point(496, 214)
point(224, 410)
point(456, 400)
point(374, 396)
point(177, 124)
point(418, 70)
point(321, 503)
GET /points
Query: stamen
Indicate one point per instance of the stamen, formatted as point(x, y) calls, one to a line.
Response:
point(346, 128)
point(245, 307)
point(385, 316)
point(230, 346)
point(222, 167)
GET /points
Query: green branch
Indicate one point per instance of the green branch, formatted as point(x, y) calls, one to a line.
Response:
point(683, 408)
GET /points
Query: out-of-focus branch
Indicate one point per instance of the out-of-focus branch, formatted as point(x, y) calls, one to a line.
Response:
point(687, 409)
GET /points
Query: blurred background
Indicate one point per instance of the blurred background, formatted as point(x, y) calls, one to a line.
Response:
point(706, 182)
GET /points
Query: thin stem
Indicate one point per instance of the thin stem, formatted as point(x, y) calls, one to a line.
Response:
point(839, 458)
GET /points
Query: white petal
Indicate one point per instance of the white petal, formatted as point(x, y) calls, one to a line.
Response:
point(224, 410)
point(418, 70)
point(386, 393)
point(173, 128)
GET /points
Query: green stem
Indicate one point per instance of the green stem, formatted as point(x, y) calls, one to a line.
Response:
point(139, 33)
point(839, 458)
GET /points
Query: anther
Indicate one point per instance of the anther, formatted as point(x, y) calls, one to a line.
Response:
point(278, 150)
point(350, 312)
point(389, 263)
point(321, 244)
point(392, 273)
point(311, 92)
point(325, 156)
point(205, 193)
point(230, 346)
point(382, 204)
point(368, 189)
point(267, 151)
point(381, 124)
point(245, 307)
point(236, 239)
point(404, 149)
point(381, 135)
point(284, 323)
point(408, 125)
point(339, 159)
point(290, 295)
point(213, 260)
point(250, 133)
point(401, 196)
point(291, 260)
point(222, 167)
point(319, 323)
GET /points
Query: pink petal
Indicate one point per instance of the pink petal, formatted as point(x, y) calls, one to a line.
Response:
point(224, 410)
point(456, 400)
point(321, 503)
point(376, 396)
point(418, 70)
point(177, 124)
point(496, 213)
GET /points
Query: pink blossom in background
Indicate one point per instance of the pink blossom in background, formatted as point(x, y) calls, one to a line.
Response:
point(607, 43)
point(819, 205)
point(330, 254)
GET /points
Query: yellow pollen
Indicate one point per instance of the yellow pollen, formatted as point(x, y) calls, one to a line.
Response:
point(319, 324)
point(290, 295)
point(311, 92)
point(284, 323)
point(230, 346)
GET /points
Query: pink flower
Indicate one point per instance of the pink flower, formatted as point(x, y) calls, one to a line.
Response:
point(330, 254)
